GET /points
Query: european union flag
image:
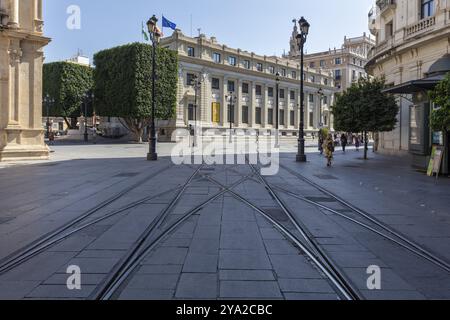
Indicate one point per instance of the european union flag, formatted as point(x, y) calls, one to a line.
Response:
point(168, 24)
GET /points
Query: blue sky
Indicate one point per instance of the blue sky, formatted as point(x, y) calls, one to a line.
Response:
point(261, 26)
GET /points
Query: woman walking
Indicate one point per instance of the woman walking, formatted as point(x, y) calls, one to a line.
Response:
point(344, 142)
point(329, 149)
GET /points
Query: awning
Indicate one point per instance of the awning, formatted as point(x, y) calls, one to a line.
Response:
point(414, 86)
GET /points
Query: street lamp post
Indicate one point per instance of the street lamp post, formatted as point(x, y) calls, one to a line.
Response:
point(196, 83)
point(232, 99)
point(47, 100)
point(86, 136)
point(155, 36)
point(301, 40)
point(277, 111)
point(321, 95)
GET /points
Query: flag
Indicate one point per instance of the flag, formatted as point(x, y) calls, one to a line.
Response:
point(144, 33)
point(168, 24)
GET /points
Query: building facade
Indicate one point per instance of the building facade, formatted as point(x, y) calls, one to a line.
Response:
point(21, 59)
point(347, 64)
point(251, 79)
point(412, 47)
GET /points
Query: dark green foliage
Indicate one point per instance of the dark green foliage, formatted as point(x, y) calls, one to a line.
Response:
point(440, 118)
point(123, 84)
point(365, 108)
point(66, 84)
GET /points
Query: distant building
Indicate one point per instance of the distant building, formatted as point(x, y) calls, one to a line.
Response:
point(412, 52)
point(80, 59)
point(251, 78)
point(347, 63)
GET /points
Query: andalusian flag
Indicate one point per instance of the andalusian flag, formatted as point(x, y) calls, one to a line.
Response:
point(144, 33)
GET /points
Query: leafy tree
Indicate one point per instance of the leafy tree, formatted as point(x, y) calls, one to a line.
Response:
point(365, 108)
point(440, 118)
point(66, 84)
point(123, 85)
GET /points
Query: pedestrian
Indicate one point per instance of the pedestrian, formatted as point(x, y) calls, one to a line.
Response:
point(321, 142)
point(344, 142)
point(51, 138)
point(328, 146)
point(357, 143)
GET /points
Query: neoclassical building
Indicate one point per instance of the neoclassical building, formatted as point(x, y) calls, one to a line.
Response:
point(21, 59)
point(346, 63)
point(412, 47)
point(251, 79)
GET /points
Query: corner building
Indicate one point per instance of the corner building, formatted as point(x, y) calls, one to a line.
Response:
point(21, 59)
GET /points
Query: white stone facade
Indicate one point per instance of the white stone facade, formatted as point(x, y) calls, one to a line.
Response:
point(346, 63)
point(411, 36)
point(21, 59)
point(254, 80)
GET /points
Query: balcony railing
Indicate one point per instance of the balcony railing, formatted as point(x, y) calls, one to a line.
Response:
point(383, 4)
point(419, 27)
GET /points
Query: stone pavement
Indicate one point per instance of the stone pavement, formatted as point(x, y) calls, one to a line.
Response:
point(227, 250)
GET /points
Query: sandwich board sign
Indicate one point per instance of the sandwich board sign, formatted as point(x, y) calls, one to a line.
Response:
point(434, 168)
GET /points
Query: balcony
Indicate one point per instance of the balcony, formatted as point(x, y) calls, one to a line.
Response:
point(420, 27)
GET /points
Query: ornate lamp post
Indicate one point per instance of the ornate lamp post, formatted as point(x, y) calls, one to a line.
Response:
point(232, 99)
point(88, 98)
point(321, 95)
point(196, 84)
point(301, 40)
point(47, 102)
point(277, 111)
point(155, 36)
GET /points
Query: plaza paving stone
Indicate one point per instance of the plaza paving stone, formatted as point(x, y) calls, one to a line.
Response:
point(227, 250)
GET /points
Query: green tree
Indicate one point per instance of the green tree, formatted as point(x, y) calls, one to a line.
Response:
point(365, 108)
point(66, 83)
point(123, 85)
point(440, 117)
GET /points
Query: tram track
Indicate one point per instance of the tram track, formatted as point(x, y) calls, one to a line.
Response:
point(52, 238)
point(384, 230)
point(111, 287)
point(343, 286)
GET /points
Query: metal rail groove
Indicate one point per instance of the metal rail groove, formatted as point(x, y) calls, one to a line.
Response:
point(410, 245)
point(127, 265)
point(34, 248)
point(344, 287)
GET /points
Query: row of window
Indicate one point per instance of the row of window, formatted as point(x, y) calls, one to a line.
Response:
point(245, 115)
point(337, 61)
point(232, 61)
point(215, 85)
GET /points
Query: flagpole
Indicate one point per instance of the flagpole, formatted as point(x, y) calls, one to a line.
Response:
point(162, 22)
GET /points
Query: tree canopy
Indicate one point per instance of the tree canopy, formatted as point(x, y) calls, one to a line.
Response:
point(66, 83)
point(365, 108)
point(440, 117)
point(123, 84)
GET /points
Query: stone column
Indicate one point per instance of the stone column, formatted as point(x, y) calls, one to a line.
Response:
point(252, 106)
point(224, 108)
point(238, 109)
point(181, 122)
point(14, 14)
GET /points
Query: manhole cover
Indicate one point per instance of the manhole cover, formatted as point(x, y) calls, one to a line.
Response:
point(325, 177)
point(127, 175)
point(320, 199)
